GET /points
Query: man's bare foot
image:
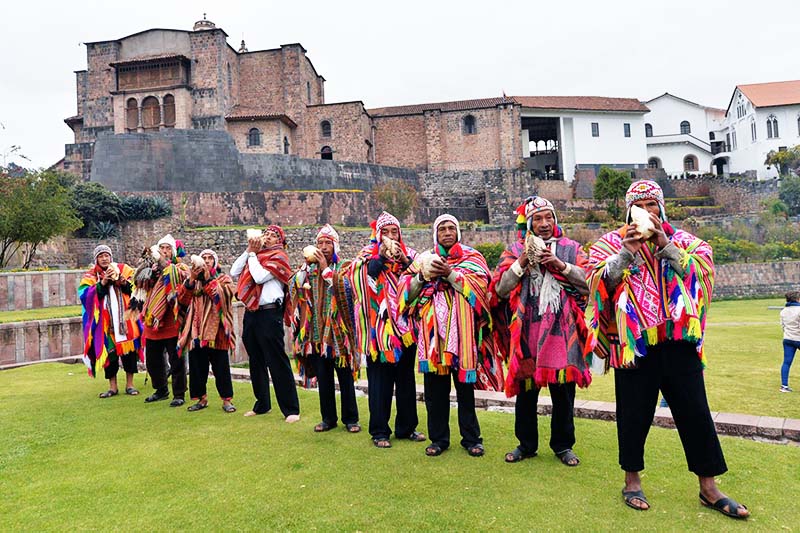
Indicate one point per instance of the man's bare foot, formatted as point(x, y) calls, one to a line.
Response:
point(291, 419)
point(250, 413)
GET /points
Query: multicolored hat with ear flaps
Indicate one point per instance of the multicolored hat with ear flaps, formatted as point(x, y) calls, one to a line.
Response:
point(645, 190)
point(529, 207)
point(447, 217)
point(327, 232)
point(101, 249)
point(212, 253)
point(279, 231)
point(377, 225)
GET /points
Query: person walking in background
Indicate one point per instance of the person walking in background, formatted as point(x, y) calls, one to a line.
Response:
point(790, 322)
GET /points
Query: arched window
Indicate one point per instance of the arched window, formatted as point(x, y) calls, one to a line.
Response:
point(286, 145)
point(254, 137)
point(169, 111)
point(132, 114)
point(308, 91)
point(686, 127)
point(689, 163)
point(648, 130)
point(325, 126)
point(326, 153)
point(470, 125)
point(654, 162)
point(753, 133)
point(151, 114)
point(772, 127)
point(798, 125)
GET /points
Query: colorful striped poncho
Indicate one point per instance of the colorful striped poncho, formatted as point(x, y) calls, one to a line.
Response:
point(541, 347)
point(208, 320)
point(380, 332)
point(453, 328)
point(162, 298)
point(652, 303)
point(99, 315)
point(322, 318)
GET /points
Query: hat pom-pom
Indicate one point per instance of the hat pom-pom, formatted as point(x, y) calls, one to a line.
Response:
point(180, 251)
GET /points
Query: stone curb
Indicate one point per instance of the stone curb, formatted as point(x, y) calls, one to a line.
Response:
point(732, 424)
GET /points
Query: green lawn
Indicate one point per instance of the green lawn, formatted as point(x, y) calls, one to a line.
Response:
point(40, 314)
point(69, 461)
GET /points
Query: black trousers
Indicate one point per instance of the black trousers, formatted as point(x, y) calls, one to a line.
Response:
point(129, 364)
point(562, 426)
point(262, 334)
point(199, 359)
point(674, 368)
point(157, 366)
point(385, 379)
point(437, 403)
point(327, 391)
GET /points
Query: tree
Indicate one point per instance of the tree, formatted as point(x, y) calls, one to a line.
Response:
point(34, 208)
point(95, 204)
point(789, 193)
point(396, 196)
point(611, 185)
point(786, 160)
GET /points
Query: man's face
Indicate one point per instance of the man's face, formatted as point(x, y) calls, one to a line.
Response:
point(271, 238)
point(209, 260)
point(447, 234)
point(392, 232)
point(543, 224)
point(650, 205)
point(103, 260)
point(326, 247)
point(166, 251)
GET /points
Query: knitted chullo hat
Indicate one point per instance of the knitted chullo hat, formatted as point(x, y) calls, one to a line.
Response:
point(529, 207)
point(279, 230)
point(209, 251)
point(102, 249)
point(170, 240)
point(327, 232)
point(645, 190)
point(386, 219)
point(447, 217)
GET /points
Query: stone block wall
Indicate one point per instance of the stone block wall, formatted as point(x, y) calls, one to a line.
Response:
point(748, 280)
point(35, 290)
point(40, 340)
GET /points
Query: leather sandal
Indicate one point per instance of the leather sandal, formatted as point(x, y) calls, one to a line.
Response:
point(726, 506)
point(476, 451)
point(197, 407)
point(568, 457)
point(382, 443)
point(416, 436)
point(353, 428)
point(518, 455)
point(434, 450)
point(131, 391)
point(108, 394)
point(631, 495)
point(323, 426)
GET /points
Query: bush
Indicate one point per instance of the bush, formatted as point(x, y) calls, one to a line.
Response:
point(491, 251)
point(94, 204)
point(397, 197)
point(102, 230)
point(145, 207)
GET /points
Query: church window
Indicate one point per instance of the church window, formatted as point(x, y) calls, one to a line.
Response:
point(151, 114)
point(772, 127)
point(648, 130)
point(470, 125)
point(686, 128)
point(169, 111)
point(325, 126)
point(326, 153)
point(131, 114)
point(286, 145)
point(254, 137)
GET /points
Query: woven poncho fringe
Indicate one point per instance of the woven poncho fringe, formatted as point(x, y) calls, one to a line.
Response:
point(98, 329)
point(162, 298)
point(209, 308)
point(619, 327)
point(464, 314)
point(380, 332)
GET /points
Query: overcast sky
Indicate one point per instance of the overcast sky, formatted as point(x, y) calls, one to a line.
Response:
point(394, 53)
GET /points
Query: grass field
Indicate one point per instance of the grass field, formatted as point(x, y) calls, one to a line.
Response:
point(69, 461)
point(40, 314)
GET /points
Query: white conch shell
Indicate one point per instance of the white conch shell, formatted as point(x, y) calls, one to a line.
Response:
point(155, 253)
point(309, 252)
point(641, 219)
point(390, 245)
point(113, 271)
point(534, 246)
point(254, 234)
point(426, 259)
point(197, 261)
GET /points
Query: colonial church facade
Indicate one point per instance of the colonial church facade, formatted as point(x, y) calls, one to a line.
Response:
point(273, 102)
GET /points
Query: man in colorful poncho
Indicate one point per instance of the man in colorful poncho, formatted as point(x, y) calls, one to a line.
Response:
point(646, 314)
point(264, 272)
point(110, 333)
point(446, 299)
point(324, 345)
point(382, 336)
point(540, 328)
point(207, 332)
point(161, 326)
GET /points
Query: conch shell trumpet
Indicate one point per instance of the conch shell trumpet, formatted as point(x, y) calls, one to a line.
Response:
point(197, 261)
point(426, 259)
point(113, 272)
point(391, 246)
point(309, 252)
point(254, 234)
point(640, 218)
point(534, 245)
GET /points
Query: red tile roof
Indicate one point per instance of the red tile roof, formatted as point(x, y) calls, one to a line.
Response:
point(146, 59)
point(459, 105)
point(772, 94)
point(578, 103)
point(241, 113)
point(582, 103)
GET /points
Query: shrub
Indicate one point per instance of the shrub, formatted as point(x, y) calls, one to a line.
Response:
point(491, 252)
point(397, 197)
point(145, 207)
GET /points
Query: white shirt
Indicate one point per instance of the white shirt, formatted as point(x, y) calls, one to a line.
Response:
point(790, 321)
point(272, 289)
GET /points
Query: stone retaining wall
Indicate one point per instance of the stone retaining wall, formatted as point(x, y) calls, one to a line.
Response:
point(34, 290)
point(749, 280)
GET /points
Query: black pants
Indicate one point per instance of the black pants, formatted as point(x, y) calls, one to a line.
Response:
point(129, 364)
point(437, 403)
point(157, 366)
point(674, 368)
point(262, 334)
point(385, 379)
point(199, 359)
point(562, 426)
point(327, 391)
